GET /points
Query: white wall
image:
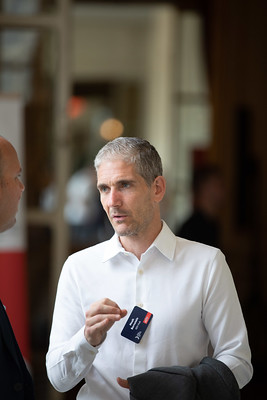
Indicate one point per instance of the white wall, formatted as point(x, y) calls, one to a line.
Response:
point(110, 42)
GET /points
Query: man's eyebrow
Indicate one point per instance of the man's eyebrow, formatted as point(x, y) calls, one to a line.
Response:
point(125, 180)
point(116, 183)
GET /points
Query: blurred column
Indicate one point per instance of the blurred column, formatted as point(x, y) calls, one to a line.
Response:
point(192, 110)
point(62, 153)
point(160, 81)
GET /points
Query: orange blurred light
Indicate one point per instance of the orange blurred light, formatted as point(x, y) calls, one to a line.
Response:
point(111, 129)
point(76, 106)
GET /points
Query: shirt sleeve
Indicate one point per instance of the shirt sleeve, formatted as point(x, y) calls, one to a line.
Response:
point(69, 356)
point(223, 319)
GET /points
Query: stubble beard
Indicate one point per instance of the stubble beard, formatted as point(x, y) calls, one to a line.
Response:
point(127, 231)
point(135, 228)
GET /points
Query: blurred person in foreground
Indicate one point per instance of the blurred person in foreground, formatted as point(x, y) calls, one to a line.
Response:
point(187, 286)
point(208, 196)
point(15, 380)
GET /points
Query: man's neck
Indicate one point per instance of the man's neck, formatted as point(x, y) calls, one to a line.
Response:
point(138, 244)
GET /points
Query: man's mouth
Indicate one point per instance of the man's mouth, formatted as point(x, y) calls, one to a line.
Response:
point(118, 217)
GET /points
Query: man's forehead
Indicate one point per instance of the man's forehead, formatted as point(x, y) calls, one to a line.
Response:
point(116, 170)
point(9, 156)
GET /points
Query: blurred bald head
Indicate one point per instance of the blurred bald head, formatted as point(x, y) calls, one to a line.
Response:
point(11, 186)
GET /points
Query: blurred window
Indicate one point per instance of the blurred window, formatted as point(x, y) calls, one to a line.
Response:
point(27, 7)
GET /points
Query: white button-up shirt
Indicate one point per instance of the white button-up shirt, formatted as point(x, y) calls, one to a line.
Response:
point(188, 288)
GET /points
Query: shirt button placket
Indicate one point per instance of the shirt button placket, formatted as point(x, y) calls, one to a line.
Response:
point(139, 296)
point(140, 290)
point(140, 353)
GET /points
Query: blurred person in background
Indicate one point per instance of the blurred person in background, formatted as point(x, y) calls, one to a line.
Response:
point(208, 196)
point(15, 380)
point(186, 286)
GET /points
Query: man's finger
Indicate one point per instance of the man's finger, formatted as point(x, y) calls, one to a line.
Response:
point(123, 383)
point(98, 319)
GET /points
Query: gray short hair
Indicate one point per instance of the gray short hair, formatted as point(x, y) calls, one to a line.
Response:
point(135, 151)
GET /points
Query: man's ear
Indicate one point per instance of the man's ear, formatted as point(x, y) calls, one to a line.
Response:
point(159, 186)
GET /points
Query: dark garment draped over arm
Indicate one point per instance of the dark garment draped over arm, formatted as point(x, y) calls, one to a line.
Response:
point(210, 380)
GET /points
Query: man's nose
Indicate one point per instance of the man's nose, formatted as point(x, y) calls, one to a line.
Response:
point(114, 199)
point(22, 187)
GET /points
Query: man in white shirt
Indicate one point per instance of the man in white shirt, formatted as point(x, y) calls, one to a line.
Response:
point(187, 286)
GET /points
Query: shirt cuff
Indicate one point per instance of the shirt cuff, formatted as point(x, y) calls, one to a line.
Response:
point(83, 348)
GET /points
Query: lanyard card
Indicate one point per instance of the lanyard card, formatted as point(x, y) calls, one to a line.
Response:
point(136, 324)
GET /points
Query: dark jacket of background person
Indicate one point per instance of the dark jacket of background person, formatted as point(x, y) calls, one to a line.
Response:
point(208, 195)
point(199, 227)
point(15, 379)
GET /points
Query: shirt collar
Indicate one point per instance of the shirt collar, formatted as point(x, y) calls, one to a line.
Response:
point(165, 242)
point(112, 248)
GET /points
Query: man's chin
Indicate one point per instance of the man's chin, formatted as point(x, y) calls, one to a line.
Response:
point(123, 229)
point(120, 232)
point(124, 232)
point(8, 225)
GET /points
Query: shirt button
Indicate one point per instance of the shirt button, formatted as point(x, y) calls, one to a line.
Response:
point(140, 271)
point(141, 305)
point(18, 387)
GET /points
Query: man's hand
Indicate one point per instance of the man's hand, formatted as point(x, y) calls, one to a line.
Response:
point(123, 383)
point(100, 318)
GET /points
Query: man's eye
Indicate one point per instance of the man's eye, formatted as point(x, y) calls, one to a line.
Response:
point(125, 185)
point(103, 189)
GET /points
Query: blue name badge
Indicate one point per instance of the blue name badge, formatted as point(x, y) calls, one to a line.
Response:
point(136, 324)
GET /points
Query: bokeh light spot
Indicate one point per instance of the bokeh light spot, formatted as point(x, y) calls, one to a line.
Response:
point(111, 129)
